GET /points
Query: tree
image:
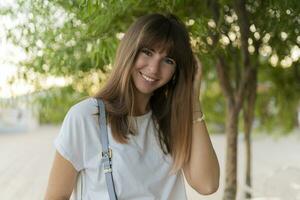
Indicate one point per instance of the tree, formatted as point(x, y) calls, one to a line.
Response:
point(239, 78)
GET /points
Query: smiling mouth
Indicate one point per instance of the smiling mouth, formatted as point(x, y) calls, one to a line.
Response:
point(147, 78)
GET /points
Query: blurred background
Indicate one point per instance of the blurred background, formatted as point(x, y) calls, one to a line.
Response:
point(54, 53)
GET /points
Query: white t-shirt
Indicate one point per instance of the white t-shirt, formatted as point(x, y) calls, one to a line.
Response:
point(140, 169)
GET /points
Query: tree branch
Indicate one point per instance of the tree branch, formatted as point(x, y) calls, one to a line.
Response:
point(243, 21)
point(222, 72)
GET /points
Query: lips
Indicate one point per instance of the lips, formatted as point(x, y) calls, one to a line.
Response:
point(148, 78)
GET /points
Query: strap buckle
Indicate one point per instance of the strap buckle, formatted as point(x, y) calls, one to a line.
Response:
point(107, 170)
point(107, 154)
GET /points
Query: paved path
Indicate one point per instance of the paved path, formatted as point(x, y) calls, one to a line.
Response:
point(25, 161)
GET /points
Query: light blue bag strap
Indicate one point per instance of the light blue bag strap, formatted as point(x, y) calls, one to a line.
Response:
point(106, 152)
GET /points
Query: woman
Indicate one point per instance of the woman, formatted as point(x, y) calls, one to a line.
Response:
point(156, 128)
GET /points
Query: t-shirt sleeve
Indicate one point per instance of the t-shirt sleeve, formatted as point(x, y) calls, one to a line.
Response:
point(70, 140)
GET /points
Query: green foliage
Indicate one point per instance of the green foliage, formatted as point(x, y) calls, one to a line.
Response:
point(278, 101)
point(214, 107)
point(270, 21)
point(64, 37)
point(53, 104)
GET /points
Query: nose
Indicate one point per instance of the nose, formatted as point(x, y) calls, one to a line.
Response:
point(153, 66)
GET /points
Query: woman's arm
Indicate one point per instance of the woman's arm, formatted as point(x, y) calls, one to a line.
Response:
point(202, 171)
point(62, 179)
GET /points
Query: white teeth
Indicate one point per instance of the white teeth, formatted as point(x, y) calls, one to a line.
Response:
point(147, 78)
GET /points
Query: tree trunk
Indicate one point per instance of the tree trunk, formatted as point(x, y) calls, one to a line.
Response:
point(248, 121)
point(234, 95)
point(248, 155)
point(231, 154)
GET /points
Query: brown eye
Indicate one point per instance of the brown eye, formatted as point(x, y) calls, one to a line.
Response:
point(146, 52)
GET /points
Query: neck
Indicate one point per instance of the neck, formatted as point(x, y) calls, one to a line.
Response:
point(141, 104)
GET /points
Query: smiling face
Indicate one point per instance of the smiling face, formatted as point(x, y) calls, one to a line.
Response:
point(152, 69)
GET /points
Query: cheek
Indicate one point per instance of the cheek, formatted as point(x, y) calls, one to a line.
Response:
point(139, 63)
point(170, 74)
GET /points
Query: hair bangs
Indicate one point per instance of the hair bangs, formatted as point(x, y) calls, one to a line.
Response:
point(158, 35)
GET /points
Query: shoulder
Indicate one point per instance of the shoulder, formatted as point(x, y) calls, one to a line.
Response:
point(85, 108)
point(81, 119)
point(78, 137)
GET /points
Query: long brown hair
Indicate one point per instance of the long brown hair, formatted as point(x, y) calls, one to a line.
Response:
point(171, 104)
